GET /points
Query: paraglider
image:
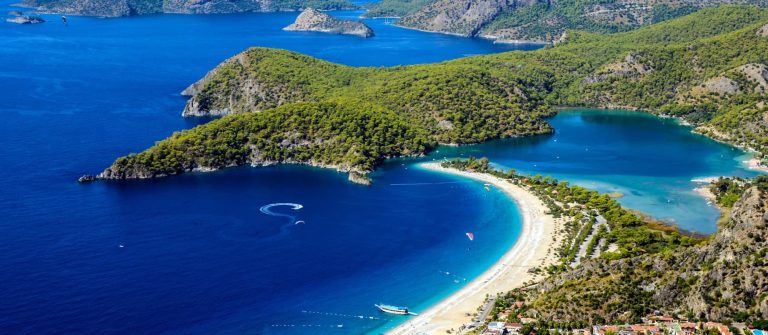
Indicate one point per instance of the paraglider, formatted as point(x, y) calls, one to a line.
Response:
point(471, 236)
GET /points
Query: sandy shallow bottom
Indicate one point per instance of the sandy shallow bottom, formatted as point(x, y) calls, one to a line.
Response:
point(534, 247)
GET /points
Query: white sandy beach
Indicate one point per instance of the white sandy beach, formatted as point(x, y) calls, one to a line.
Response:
point(534, 247)
point(754, 164)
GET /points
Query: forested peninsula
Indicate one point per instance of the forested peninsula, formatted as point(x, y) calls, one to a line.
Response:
point(118, 8)
point(704, 68)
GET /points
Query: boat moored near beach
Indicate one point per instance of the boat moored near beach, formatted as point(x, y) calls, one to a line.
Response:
point(400, 310)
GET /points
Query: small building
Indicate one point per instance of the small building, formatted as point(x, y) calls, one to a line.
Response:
point(687, 328)
point(645, 329)
point(512, 328)
point(723, 329)
point(497, 325)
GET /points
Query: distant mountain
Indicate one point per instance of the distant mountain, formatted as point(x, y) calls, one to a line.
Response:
point(546, 20)
point(116, 8)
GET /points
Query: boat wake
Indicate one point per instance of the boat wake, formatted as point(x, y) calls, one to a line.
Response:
point(266, 209)
point(249, 232)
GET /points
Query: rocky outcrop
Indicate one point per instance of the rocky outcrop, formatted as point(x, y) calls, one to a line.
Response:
point(763, 31)
point(359, 178)
point(463, 17)
point(631, 67)
point(718, 85)
point(756, 74)
point(23, 19)
point(117, 8)
point(314, 20)
point(238, 85)
point(715, 280)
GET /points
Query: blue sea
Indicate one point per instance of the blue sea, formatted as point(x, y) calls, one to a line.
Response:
point(217, 253)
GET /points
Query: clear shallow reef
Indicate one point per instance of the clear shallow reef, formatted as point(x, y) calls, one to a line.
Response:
point(194, 253)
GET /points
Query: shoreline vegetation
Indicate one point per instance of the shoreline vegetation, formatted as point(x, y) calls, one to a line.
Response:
point(476, 99)
point(562, 226)
point(610, 265)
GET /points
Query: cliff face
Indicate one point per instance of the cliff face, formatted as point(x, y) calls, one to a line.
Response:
point(726, 276)
point(464, 17)
point(314, 20)
point(116, 8)
point(248, 83)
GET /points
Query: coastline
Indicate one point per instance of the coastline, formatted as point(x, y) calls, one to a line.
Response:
point(755, 164)
point(492, 38)
point(534, 247)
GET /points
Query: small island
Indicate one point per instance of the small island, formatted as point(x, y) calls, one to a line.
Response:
point(20, 18)
point(315, 20)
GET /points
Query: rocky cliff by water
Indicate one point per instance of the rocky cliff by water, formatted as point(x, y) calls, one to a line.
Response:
point(314, 20)
point(19, 18)
point(463, 17)
point(547, 20)
point(117, 8)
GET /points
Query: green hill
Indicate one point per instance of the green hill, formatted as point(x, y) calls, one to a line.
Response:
point(707, 68)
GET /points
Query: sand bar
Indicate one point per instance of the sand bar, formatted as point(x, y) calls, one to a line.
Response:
point(535, 247)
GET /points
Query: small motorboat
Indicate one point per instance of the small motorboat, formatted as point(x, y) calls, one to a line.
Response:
point(400, 310)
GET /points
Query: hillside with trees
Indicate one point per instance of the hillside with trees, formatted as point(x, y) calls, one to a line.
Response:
point(705, 68)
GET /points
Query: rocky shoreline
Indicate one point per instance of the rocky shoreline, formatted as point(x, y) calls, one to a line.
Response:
point(354, 176)
point(19, 18)
point(317, 21)
point(123, 8)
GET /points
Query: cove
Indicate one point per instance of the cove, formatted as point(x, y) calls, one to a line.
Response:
point(652, 162)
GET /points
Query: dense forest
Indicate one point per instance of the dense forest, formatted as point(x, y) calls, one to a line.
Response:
point(345, 134)
point(706, 68)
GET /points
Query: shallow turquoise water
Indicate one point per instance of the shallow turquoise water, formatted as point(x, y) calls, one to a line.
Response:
point(652, 161)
